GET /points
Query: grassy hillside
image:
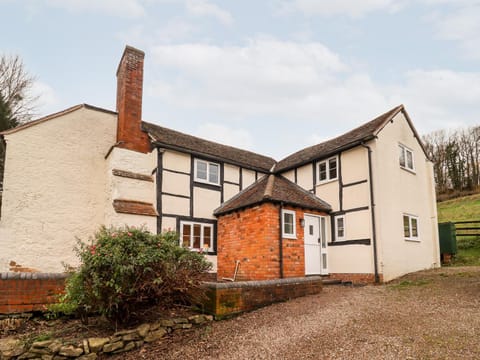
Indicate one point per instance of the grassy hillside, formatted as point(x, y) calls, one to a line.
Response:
point(459, 209)
point(463, 209)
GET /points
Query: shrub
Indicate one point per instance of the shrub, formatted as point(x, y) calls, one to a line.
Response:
point(126, 270)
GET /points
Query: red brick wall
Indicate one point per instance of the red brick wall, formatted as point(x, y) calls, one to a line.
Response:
point(252, 236)
point(129, 101)
point(224, 299)
point(25, 292)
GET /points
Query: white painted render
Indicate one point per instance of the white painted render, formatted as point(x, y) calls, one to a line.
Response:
point(54, 188)
point(356, 196)
point(248, 178)
point(290, 175)
point(177, 161)
point(205, 201)
point(329, 192)
point(350, 259)
point(175, 205)
point(124, 188)
point(305, 177)
point(398, 191)
point(358, 225)
point(230, 191)
point(231, 173)
point(169, 223)
point(174, 183)
point(354, 165)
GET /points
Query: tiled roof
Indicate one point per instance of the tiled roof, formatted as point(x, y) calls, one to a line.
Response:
point(352, 138)
point(176, 140)
point(273, 188)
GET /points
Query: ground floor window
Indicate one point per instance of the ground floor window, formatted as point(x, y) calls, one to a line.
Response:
point(288, 224)
point(340, 228)
point(410, 227)
point(196, 236)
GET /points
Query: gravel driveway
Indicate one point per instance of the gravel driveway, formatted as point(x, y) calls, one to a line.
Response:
point(426, 315)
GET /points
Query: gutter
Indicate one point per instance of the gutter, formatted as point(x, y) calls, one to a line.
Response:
point(372, 203)
point(280, 239)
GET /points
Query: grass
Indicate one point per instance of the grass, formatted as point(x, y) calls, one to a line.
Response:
point(459, 209)
point(406, 284)
point(465, 208)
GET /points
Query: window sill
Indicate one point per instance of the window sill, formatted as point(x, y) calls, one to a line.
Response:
point(411, 171)
point(206, 182)
point(290, 237)
point(325, 182)
point(412, 240)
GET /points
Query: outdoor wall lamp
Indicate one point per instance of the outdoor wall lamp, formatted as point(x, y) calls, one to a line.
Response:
point(302, 223)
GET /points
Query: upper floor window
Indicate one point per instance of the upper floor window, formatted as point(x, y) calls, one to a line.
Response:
point(406, 158)
point(207, 172)
point(410, 227)
point(197, 236)
point(340, 228)
point(289, 229)
point(327, 169)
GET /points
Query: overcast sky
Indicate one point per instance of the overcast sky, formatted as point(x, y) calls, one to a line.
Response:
point(272, 76)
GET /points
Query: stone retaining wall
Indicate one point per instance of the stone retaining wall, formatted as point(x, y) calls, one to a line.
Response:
point(24, 292)
point(231, 298)
point(90, 348)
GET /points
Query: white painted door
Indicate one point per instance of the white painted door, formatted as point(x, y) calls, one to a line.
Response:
point(315, 234)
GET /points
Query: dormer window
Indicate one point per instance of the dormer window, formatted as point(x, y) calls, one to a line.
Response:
point(327, 170)
point(406, 158)
point(207, 172)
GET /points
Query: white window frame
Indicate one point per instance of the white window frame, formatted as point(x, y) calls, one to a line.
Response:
point(327, 167)
point(337, 237)
point(410, 236)
point(202, 232)
point(208, 164)
point(292, 235)
point(404, 151)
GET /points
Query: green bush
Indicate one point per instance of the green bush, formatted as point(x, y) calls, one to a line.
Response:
point(126, 270)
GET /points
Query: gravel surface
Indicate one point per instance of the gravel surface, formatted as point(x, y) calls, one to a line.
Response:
point(427, 315)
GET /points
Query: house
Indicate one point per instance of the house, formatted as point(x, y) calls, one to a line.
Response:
point(360, 207)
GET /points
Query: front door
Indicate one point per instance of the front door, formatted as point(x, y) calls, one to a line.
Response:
point(315, 234)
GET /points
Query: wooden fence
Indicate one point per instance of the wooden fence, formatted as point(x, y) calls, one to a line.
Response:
point(468, 228)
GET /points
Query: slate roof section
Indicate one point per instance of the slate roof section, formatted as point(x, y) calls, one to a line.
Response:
point(346, 141)
point(176, 140)
point(276, 189)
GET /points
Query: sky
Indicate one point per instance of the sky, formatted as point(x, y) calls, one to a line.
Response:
point(271, 76)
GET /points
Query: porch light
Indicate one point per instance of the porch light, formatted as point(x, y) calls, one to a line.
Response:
point(302, 223)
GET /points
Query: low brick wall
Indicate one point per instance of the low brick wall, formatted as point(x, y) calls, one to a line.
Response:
point(25, 292)
point(236, 297)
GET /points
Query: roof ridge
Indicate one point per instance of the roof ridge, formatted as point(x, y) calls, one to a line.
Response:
point(269, 188)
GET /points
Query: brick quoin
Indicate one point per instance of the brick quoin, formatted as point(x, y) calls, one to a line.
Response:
point(252, 236)
point(129, 101)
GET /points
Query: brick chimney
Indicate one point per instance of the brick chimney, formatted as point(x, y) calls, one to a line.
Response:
point(129, 101)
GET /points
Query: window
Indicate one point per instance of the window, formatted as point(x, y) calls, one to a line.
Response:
point(207, 172)
point(410, 227)
point(406, 158)
point(328, 170)
point(288, 226)
point(340, 228)
point(197, 236)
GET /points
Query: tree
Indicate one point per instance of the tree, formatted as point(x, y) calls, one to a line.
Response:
point(16, 89)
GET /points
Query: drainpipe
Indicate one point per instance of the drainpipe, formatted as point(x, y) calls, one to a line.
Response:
point(280, 240)
point(372, 205)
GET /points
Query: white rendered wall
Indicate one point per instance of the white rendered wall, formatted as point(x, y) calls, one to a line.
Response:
point(54, 188)
point(124, 188)
point(398, 191)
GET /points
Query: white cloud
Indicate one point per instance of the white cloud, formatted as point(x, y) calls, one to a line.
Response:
point(240, 138)
point(206, 8)
point(460, 24)
point(440, 98)
point(122, 8)
point(48, 100)
point(351, 8)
